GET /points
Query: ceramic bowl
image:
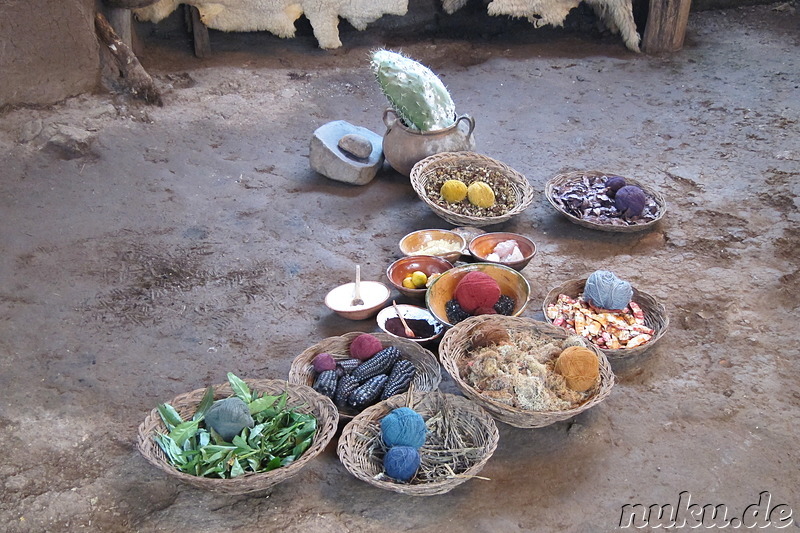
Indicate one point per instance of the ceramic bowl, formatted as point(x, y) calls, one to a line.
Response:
point(448, 244)
point(413, 313)
point(482, 246)
point(405, 266)
point(374, 293)
point(512, 284)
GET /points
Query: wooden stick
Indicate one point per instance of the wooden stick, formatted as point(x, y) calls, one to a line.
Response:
point(137, 80)
point(666, 26)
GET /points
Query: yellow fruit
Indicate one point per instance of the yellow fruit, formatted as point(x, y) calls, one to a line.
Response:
point(480, 194)
point(453, 191)
point(408, 283)
point(419, 279)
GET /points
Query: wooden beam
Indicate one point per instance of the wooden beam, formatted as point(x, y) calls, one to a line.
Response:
point(665, 28)
point(120, 20)
point(135, 78)
point(202, 44)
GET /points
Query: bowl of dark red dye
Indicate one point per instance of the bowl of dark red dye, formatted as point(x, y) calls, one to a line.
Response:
point(421, 321)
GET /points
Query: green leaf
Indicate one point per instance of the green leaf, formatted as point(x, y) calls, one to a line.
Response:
point(203, 438)
point(169, 415)
point(183, 431)
point(259, 404)
point(282, 401)
point(241, 444)
point(170, 449)
point(274, 463)
point(240, 388)
point(236, 469)
point(205, 403)
point(301, 447)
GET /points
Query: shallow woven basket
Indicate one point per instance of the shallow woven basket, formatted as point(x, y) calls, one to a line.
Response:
point(303, 399)
point(563, 179)
point(455, 347)
point(427, 377)
point(358, 442)
point(655, 315)
point(424, 169)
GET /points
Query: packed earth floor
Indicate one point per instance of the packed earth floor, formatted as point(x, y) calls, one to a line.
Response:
point(147, 251)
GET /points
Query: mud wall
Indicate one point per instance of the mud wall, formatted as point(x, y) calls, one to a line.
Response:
point(48, 50)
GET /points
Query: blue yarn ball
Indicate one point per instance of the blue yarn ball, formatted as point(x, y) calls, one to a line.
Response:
point(403, 427)
point(605, 290)
point(401, 462)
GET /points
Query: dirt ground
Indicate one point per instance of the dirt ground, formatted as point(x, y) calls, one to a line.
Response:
point(147, 251)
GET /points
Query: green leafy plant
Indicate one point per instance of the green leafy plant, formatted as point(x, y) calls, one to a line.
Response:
point(280, 435)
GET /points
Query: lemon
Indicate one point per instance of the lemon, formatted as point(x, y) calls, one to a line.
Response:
point(480, 194)
point(408, 283)
point(419, 279)
point(453, 191)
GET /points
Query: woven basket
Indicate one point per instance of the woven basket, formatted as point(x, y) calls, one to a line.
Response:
point(303, 399)
point(456, 344)
point(655, 315)
point(569, 177)
point(427, 377)
point(361, 452)
point(423, 171)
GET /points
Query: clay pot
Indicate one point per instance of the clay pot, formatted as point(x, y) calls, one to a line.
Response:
point(403, 147)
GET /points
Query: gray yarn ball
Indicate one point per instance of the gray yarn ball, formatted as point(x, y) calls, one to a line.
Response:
point(605, 290)
point(229, 417)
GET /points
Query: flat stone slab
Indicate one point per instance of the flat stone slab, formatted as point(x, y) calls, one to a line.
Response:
point(329, 159)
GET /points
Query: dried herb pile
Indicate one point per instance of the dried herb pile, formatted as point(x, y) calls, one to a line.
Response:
point(505, 197)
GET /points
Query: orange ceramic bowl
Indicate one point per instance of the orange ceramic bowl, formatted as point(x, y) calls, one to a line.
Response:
point(429, 264)
point(448, 244)
point(483, 245)
point(512, 284)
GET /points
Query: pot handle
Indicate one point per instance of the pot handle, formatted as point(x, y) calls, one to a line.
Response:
point(386, 120)
point(468, 119)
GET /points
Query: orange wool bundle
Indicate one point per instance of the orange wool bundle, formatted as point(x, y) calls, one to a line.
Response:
point(579, 366)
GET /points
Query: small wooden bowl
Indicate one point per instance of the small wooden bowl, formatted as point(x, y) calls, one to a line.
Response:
point(405, 266)
point(416, 240)
point(411, 312)
point(512, 284)
point(483, 245)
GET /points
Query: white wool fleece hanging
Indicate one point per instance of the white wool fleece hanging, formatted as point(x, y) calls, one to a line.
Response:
point(278, 16)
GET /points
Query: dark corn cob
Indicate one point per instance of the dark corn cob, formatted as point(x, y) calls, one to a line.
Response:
point(380, 363)
point(326, 383)
point(347, 384)
point(399, 379)
point(368, 393)
point(346, 366)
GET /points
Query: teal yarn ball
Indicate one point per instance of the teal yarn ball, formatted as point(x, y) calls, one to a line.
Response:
point(401, 462)
point(605, 290)
point(403, 427)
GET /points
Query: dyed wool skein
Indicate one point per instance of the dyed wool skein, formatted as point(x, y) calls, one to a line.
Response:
point(403, 427)
point(477, 292)
point(229, 417)
point(605, 290)
point(365, 346)
point(579, 366)
point(401, 462)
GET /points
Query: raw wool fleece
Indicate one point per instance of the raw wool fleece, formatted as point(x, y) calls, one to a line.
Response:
point(617, 15)
point(278, 16)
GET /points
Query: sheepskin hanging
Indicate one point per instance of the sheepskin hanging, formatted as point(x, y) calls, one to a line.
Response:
point(278, 16)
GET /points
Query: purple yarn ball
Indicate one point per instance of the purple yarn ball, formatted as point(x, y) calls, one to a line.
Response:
point(615, 183)
point(630, 201)
point(401, 462)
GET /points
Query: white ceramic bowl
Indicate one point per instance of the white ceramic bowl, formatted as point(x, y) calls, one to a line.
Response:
point(374, 293)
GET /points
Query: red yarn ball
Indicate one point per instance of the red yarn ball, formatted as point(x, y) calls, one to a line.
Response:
point(477, 290)
point(365, 346)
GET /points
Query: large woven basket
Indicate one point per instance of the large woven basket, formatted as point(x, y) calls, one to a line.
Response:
point(424, 170)
point(361, 450)
point(303, 399)
point(427, 377)
point(455, 346)
point(655, 315)
point(561, 180)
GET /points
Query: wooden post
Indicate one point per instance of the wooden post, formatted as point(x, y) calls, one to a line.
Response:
point(202, 44)
point(134, 76)
point(666, 26)
point(120, 20)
